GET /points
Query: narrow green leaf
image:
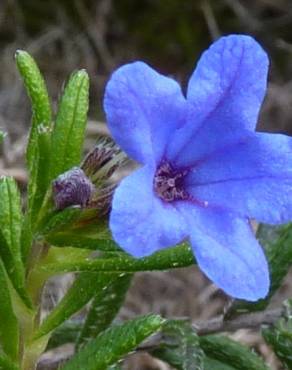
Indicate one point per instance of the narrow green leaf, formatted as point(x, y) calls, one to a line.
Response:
point(279, 254)
point(277, 241)
point(38, 148)
point(26, 238)
point(37, 91)
point(281, 342)
point(39, 181)
point(66, 333)
point(107, 301)
point(175, 257)
point(10, 232)
point(9, 333)
point(6, 363)
point(10, 214)
point(180, 346)
point(59, 220)
point(232, 353)
point(68, 133)
point(82, 290)
point(106, 304)
point(72, 239)
point(114, 343)
point(211, 364)
point(279, 337)
point(95, 236)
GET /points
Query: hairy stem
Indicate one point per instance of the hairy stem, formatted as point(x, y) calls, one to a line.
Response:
point(32, 349)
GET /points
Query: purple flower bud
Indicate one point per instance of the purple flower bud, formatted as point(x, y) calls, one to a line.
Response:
point(72, 188)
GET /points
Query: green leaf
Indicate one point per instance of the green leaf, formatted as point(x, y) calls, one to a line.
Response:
point(39, 182)
point(211, 364)
point(66, 333)
point(279, 254)
point(26, 238)
point(10, 215)
point(9, 333)
point(59, 220)
point(79, 294)
point(277, 241)
point(38, 148)
point(95, 236)
point(279, 337)
point(6, 363)
point(37, 91)
point(10, 233)
point(232, 353)
point(106, 304)
point(179, 256)
point(72, 239)
point(180, 346)
point(114, 343)
point(68, 133)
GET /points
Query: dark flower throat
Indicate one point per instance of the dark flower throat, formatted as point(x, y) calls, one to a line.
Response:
point(169, 183)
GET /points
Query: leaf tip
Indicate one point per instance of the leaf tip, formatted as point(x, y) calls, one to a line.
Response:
point(20, 53)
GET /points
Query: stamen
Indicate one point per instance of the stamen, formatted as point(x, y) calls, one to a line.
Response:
point(169, 183)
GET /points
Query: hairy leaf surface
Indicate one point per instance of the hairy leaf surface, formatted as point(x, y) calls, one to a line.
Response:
point(279, 336)
point(68, 133)
point(179, 256)
point(10, 232)
point(232, 353)
point(9, 331)
point(107, 301)
point(114, 343)
point(180, 346)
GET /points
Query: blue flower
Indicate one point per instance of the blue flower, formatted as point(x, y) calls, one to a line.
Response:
point(205, 171)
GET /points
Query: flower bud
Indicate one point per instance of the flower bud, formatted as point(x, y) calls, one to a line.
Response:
point(72, 188)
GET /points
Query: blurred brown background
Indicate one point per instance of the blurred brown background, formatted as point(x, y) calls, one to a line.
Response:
point(100, 35)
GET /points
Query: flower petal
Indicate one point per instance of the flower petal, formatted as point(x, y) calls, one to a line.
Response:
point(252, 177)
point(233, 70)
point(226, 91)
point(228, 253)
point(140, 223)
point(143, 108)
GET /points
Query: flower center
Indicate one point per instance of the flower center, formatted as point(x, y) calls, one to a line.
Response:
point(169, 183)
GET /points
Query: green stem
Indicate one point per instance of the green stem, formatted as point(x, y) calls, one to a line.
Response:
point(44, 211)
point(31, 349)
point(26, 323)
point(32, 353)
